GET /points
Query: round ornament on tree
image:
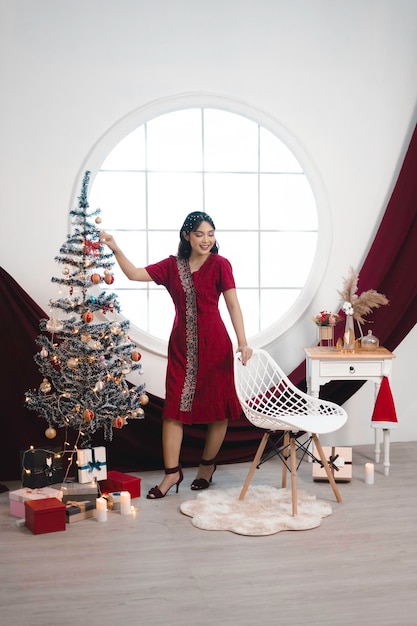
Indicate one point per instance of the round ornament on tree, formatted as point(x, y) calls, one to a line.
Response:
point(143, 399)
point(119, 422)
point(136, 356)
point(95, 278)
point(88, 317)
point(50, 433)
point(45, 386)
point(88, 415)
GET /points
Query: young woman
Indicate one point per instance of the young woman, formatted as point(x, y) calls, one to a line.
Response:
point(199, 381)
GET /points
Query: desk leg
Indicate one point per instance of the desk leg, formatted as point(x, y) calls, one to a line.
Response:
point(386, 451)
point(377, 450)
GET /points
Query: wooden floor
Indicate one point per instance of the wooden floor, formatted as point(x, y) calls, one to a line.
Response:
point(358, 568)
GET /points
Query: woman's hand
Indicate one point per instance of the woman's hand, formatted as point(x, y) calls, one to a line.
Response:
point(246, 353)
point(108, 240)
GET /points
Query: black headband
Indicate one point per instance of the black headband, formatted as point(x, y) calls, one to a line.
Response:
point(193, 218)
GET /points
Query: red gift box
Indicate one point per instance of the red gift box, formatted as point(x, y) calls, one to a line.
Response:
point(45, 516)
point(117, 481)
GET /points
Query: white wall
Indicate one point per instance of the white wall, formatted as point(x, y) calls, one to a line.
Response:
point(341, 76)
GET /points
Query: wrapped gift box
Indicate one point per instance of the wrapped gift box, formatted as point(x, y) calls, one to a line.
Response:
point(92, 464)
point(77, 511)
point(41, 468)
point(117, 481)
point(339, 460)
point(80, 491)
point(45, 516)
point(18, 497)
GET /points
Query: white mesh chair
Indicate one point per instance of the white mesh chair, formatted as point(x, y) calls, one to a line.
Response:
point(271, 402)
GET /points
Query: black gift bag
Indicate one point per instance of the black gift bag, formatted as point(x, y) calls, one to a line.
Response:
point(41, 468)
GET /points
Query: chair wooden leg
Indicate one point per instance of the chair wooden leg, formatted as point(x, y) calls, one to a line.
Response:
point(293, 454)
point(255, 463)
point(327, 468)
point(284, 465)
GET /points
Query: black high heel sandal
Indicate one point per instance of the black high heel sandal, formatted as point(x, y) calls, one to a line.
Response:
point(155, 493)
point(201, 483)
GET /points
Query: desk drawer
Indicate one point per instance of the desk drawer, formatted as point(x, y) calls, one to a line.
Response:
point(352, 369)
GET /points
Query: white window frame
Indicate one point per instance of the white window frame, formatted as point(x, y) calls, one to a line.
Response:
point(111, 137)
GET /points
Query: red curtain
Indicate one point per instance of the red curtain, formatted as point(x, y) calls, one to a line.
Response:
point(390, 268)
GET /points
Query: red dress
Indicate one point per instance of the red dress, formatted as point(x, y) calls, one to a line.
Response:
point(199, 382)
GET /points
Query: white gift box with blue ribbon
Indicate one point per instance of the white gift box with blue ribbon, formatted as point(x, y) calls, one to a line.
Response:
point(92, 464)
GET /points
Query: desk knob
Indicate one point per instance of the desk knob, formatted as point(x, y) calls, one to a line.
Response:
point(351, 369)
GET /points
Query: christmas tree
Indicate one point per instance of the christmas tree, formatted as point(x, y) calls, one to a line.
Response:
point(85, 352)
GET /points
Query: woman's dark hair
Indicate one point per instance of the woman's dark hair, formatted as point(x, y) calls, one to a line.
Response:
point(191, 224)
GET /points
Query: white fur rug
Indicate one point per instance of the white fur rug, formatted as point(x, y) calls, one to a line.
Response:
point(264, 510)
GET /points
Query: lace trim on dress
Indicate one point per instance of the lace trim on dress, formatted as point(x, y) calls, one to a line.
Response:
point(188, 390)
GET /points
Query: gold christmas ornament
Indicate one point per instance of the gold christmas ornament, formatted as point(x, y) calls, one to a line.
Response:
point(143, 399)
point(50, 433)
point(45, 386)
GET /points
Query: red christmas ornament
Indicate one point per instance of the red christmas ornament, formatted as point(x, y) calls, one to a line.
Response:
point(109, 279)
point(136, 356)
point(88, 415)
point(118, 422)
point(95, 278)
point(88, 317)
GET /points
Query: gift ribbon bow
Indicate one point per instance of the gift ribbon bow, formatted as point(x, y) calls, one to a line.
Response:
point(93, 464)
point(331, 461)
point(77, 504)
point(90, 246)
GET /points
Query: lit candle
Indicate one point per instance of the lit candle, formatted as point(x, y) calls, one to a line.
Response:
point(125, 503)
point(369, 473)
point(101, 510)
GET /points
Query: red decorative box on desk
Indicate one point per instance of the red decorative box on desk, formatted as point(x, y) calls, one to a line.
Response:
point(117, 481)
point(45, 516)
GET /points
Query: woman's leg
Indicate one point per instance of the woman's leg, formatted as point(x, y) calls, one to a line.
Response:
point(172, 434)
point(216, 432)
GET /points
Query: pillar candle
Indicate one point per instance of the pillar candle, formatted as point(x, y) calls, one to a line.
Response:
point(369, 473)
point(101, 510)
point(125, 502)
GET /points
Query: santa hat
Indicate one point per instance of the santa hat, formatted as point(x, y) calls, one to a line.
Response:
point(384, 415)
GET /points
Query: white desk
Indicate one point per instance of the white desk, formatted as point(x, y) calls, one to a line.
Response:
point(324, 364)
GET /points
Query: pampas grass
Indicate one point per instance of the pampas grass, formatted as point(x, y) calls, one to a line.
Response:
point(365, 302)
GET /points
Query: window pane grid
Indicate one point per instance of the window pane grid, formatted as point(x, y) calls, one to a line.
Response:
point(241, 174)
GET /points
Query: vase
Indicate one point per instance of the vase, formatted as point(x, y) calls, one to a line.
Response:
point(349, 335)
point(326, 335)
